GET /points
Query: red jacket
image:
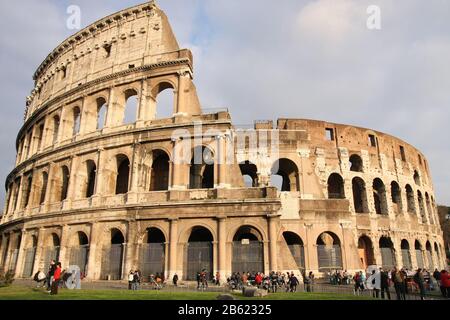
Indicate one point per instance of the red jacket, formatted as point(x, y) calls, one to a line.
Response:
point(445, 280)
point(57, 274)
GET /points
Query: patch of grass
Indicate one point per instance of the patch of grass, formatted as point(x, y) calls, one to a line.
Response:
point(17, 292)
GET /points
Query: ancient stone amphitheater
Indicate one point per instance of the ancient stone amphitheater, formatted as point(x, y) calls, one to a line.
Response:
point(97, 188)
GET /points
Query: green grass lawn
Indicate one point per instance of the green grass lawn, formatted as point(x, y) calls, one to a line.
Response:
point(17, 292)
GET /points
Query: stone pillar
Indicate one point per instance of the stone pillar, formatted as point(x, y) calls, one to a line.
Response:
point(222, 163)
point(273, 248)
point(18, 207)
point(222, 228)
point(67, 203)
point(20, 255)
point(180, 168)
point(48, 192)
point(64, 250)
point(3, 249)
point(94, 264)
point(173, 243)
point(132, 196)
point(39, 252)
point(130, 262)
point(100, 178)
point(8, 252)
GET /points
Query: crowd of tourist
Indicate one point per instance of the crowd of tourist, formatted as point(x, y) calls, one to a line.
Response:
point(403, 280)
point(272, 282)
point(51, 280)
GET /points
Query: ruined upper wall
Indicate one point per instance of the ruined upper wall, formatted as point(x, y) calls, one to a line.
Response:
point(128, 39)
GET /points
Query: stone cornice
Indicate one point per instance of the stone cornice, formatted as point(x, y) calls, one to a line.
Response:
point(97, 81)
point(91, 30)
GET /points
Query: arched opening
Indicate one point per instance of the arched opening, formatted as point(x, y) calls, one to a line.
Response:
point(30, 256)
point(202, 169)
point(406, 254)
point(248, 251)
point(131, 105)
point(165, 100)
point(112, 257)
point(76, 121)
point(91, 171)
point(15, 252)
point(419, 254)
point(199, 253)
point(153, 253)
point(356, 163)
point(296, 247)
point(160, 171)
point(102, 110)
point(39, 136)
point(438, 256)
point(387, 253)
point(429, 209)
point(421, 207)
point(365, 252)
point(249, 173)
point(429, 252)
point(79, 252)
point(65, 182)
point(329, 252)
point(359, 195)
point(27, 192)
point(416, 177)
point(56, 124)
point(123, 174)
point(43, 188)
point(288, 171)
point(379, 196)
point(52, 249)
point(336, 187)
point(411, 205)
point(396, 197)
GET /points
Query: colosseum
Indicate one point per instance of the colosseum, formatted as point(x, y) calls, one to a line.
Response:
point(175, 194)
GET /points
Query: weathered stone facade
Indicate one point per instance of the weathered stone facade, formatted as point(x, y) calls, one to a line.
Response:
point(444, 218)
point(92, 190)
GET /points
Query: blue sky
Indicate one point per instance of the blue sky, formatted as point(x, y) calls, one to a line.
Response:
point(268, 59)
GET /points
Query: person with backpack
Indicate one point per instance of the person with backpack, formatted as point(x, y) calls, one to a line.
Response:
point(399, 284)
point(50, 274)
point(420, 281)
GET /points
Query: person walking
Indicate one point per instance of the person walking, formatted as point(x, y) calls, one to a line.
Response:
point(56, 279)
point(384, 284)
point(293, 283)
point(445, 283)
point(175, 280)
point(217, 278)
point(50, 274)
point(130, 280)
point(420, 281)
point(398, 279)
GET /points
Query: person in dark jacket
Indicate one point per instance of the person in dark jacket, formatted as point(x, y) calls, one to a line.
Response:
point(175, 279)
point(384, 284)
point(293, 283)
point(420, 281)
point(399, 284)
point(50, 274)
